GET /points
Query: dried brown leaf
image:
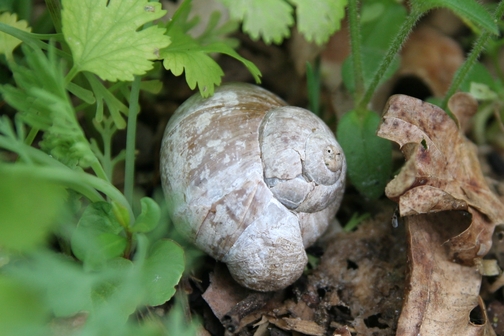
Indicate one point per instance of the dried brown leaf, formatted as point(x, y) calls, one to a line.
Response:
point(440, 294)
point(440, 157)
point(442, 173)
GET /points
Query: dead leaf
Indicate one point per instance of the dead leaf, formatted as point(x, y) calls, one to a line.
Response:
point(302, 326)
point(441, 177)
point(440, 294)
point(440, 157)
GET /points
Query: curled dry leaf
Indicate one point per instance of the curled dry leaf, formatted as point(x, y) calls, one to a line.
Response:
point(441, 177)
point(442, 171)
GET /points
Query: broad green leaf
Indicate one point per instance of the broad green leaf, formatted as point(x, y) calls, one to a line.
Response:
point(371, 59)
point(104, 38)
point(162, 270)
point(8, 42)
point(318, 20)
point(21, 309)
point(381, 21)
point(149, 217)
point(96, 238)
point(469, 10)
point(369, 158)
point(29, 208)
point(269, 20)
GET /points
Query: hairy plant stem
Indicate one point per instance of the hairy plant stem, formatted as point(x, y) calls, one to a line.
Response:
point(355, 44)
point(394, 48)
point(134, 108)
point(472, 58)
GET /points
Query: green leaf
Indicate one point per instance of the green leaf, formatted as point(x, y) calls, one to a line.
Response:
point(162, 270)
point(81, 93)
point(185, 55)
point(371, 59)
point(43, 103)
point(369, 158)
point(268, 20)
point(21, 309)
point(468, 10)
point(114, 105)
point(482, 92)
point(96, 238)
point(149, 217)
point(479, 74)
point(380, 23)
point(104, 38)
point(21, 229)
point(318, 20)
point(8, 42)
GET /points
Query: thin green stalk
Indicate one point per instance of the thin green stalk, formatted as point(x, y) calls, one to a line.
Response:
point(71, 74)
point(134, 108)
point(478, 47)
point(313, 82)
point(392, 51)
point(355, 43)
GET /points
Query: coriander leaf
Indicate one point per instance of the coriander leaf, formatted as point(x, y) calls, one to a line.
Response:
point(369, 158)
point(7, 42)
point(269, 20)
point(190, 55)
point(185, 55)
point(318, 20)
point(104, 39)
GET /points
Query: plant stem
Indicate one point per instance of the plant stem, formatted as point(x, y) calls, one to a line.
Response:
point(54, 8)
point(395, 46)
point(71, 74)
point(134, 108)
point(355, 44)
point(478, 47)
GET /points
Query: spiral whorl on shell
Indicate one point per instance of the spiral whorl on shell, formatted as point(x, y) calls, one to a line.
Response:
point(251, 181)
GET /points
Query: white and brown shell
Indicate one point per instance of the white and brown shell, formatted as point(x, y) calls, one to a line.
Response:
point(251, 181)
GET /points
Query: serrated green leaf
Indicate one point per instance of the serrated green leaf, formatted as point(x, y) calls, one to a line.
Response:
point(8, 42)
point(469, 10)
point(200, 69)
point(104, 38)
point(22, 230)
point(369, 158)
point(162, 270)
point(269, 20)
point(318, 20)
point(149, 217)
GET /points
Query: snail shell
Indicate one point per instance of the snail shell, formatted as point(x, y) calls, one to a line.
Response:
point(251, 181)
